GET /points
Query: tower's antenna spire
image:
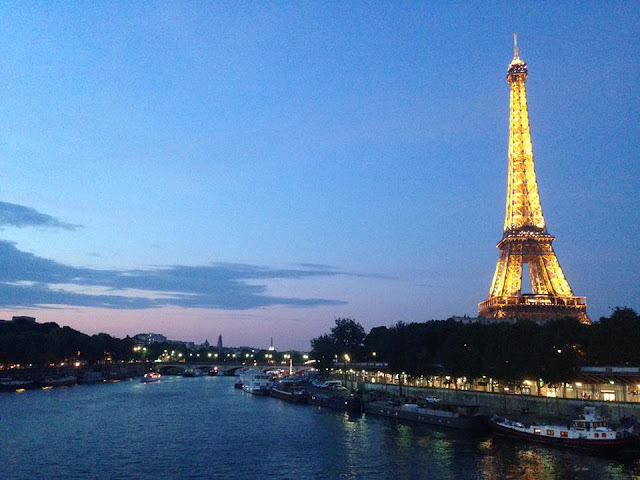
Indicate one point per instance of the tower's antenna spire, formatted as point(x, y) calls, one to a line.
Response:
point(515, 45)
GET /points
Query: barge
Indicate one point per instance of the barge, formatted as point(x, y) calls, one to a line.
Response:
point(464, 417)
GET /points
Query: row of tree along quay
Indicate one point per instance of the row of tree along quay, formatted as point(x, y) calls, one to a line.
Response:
point(508, 351)
point(33, 350)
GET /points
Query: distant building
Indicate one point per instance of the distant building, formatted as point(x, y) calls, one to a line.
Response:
point(24, 319)
point(149, 338)
point(271, 347)
point(220, 342)
point(465, 319)
point(180, 343)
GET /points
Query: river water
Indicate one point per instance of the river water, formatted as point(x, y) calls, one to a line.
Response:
point(203, 428)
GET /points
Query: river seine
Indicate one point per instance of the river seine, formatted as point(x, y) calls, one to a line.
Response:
point(203, 428)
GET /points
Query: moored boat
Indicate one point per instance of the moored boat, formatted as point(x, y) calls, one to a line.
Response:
point(11, 385)
point(334, 396)
point(456, 416)
point(587, 431)
point(289, 390)
point(91, 377)
point(59, 381)
point(256, 382)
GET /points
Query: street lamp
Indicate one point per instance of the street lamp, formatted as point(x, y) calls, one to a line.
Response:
point(346, 360)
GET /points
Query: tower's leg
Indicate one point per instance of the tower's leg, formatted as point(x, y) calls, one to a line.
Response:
point(559, 285)
point(540, 283)
point(507, 278)
point(497, 286)
point(513, 280)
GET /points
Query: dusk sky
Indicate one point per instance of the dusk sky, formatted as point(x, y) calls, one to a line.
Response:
point(258, 169)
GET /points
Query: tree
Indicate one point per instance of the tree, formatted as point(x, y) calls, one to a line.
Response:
point(348, 336)
point(376, 343)
point(399, 351)
point(45, 343)
point(323, 350)
point(614, 340)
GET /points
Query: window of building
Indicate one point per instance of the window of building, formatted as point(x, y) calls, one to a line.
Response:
point(608, 395)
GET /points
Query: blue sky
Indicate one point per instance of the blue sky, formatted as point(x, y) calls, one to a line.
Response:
point(257, 169)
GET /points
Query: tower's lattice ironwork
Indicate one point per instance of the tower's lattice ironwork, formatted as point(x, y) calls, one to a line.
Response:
point(525, 240)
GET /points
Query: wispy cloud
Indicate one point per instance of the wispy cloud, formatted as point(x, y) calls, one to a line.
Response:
point(316, 265)
point(21, 216)
point(330, 270)
point(27, 280)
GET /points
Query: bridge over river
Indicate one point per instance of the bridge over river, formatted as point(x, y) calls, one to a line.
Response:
point(177, 368)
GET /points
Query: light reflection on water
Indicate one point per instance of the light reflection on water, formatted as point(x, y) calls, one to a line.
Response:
point(204, 428)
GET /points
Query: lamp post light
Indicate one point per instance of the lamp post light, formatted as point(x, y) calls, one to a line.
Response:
point(347, 359)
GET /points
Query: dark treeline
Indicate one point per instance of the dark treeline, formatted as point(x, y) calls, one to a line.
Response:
point(41, 344)
point(509, 352)
point(24, 342)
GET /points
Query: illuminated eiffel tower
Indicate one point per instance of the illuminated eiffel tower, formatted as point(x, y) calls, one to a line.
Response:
point(525, 239)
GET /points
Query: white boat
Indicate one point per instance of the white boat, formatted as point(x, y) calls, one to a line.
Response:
point(587, 431)
point(256, 382)
point(151, 377)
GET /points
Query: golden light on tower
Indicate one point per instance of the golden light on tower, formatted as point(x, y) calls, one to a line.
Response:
point(525, 239)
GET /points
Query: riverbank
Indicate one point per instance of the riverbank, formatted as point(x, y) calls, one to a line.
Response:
point(515, 406)
point(37, 377)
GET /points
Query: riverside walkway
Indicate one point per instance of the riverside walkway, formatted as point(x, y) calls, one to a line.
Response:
point(614, 390)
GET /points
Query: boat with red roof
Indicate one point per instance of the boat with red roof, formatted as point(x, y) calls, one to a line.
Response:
point(587, 431)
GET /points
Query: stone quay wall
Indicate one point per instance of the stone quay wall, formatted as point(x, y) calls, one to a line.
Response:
point(514, 406)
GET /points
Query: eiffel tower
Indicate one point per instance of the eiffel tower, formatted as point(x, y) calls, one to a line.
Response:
point(525, 239)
